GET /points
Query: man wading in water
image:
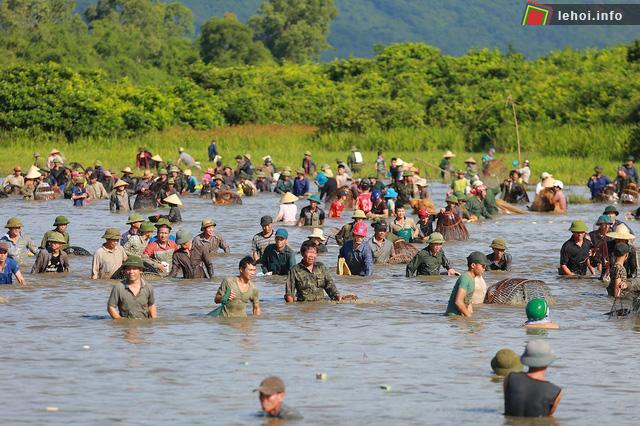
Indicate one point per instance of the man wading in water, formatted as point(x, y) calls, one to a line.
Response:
point(132, 298)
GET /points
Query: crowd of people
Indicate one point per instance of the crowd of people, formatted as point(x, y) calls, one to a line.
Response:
point(150, 247)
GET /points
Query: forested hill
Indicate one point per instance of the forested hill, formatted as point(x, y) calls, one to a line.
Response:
point(454, 26)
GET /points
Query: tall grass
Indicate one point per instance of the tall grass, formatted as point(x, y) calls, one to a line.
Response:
point(286, 144)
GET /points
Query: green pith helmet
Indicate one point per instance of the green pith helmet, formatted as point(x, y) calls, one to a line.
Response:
point(537, 309)
point(183, 236)
point(147, 227)
point(56, 237)
point(135, 217)
point(133, 261)
point(452, 199)
point(111, 234)
point(578, 226)
point(14, 222)
point(61, 220)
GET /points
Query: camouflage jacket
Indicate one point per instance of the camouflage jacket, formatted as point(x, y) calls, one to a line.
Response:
point(307, 286)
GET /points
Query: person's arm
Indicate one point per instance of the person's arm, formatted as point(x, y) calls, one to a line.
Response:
point(113, 203)
point(555, 403)
point(446, 265)
point(565, 270)
point(412, 266)
point(330, 287)
point(38, 264)
point(292, 259)
point(465, 310)
point(176, 266)
point(256, 303)
point(564, 260)
point(153, 311)
point(223, 245)
point(368, 262)
point(208, 265)
point(290, 286)
point(113, 312)
point(508, 259)
point(19, 277)
point(264, 260)
point(222, 290)
point(95, 267)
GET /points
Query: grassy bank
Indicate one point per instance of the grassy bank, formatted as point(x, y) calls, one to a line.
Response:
point(286, 144)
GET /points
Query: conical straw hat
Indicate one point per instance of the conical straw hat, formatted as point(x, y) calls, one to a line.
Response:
point(173, 199)
point(621, 233)
point(156, 158)
point(33, 173)
point(120, 182)
point(288, 198)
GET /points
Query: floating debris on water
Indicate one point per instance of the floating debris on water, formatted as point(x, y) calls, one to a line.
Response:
point(321, 376)
point(52, 409)
point(86, 347)
point(386, 388)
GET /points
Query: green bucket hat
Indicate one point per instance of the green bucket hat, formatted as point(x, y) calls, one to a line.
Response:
point(578, 226)
point(452, 199)
point(61, 220)
point(147, 227)
point(436, 238)
point(315, 198)
point(207, 223)
point(162, 172)
point(499, 244)
point(506, 361)
point(183, 236)
point(611, 209)
point(286, 173)
point(133, 261)
point(56, 237)
point(135, 217)
point(300, 171)
point(604, 219)
point(407, 174)
point(111, 234)
point(477, 257)
point(359, 214)
point(163, 222)
point(14, 222)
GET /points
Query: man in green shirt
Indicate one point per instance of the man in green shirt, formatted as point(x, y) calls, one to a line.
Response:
point(132, 298)
point(429, 260)
point(475, 204)
point(60, 223)
point(278, 258)
point(460, 299)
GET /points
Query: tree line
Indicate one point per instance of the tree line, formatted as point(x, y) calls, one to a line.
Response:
point(64, 77)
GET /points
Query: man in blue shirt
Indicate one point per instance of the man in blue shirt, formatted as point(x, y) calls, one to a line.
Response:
point(598, 183)
point(213, 150)
point(630, 169)
point(9, 267)
point(357, 252)
point(301, 184)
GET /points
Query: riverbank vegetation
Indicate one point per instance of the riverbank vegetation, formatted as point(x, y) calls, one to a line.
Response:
point(121, 76)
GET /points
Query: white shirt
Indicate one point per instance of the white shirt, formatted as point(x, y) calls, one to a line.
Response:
point(287, 213)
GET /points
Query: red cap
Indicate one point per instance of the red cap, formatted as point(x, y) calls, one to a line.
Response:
point(423, 213)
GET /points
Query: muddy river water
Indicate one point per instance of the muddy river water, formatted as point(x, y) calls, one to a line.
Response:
point(64, 361)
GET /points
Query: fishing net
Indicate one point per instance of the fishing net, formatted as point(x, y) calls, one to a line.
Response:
point(630, 194)
point(507, 208)
point(77, 251)
point(149, 272)
point(452, 227)
point(44, 192)
point(543, 201)
point(404, 252)
point(607, 196)
point(495, 168)
point(424, 203)
point(517, 291)
point(226, 198)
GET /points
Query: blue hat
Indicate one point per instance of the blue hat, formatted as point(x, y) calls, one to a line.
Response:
point(283, 233)
point(375, 193)
point(604, 219)
point(391, 193)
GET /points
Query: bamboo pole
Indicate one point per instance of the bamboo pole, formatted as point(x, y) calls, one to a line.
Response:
point(515, 121)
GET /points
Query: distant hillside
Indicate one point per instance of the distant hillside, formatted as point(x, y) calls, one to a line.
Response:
point(454, 26)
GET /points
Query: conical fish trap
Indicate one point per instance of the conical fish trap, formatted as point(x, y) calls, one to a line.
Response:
point(452, 228)
point(404, 252)
point(517, 291)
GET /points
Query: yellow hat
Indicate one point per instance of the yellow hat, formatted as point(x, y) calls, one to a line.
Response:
point(317, 233)
point(119, 183)
point(157, 158)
